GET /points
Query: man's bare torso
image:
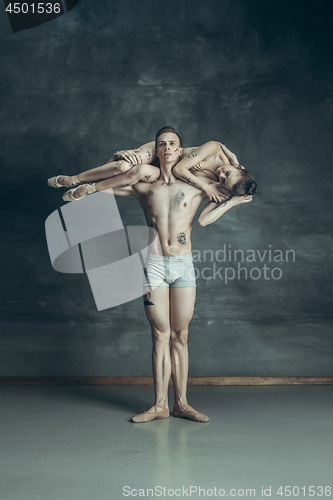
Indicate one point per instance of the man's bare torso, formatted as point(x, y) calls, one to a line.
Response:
point(170, 209)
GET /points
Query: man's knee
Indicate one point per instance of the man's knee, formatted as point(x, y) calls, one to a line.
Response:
point(160, 336)
point(180, 336)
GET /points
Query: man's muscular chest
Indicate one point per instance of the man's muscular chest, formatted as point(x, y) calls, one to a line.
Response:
point(162, 197)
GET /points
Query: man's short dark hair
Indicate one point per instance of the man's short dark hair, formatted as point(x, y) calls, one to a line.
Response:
point(166, 129)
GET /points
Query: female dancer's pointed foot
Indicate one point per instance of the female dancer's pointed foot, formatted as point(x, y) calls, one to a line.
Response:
point(188, 412)
point(79, 192)
point(156, 411)
point(60, 181)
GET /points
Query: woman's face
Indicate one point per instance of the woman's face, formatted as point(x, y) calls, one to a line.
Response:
point(228, 175)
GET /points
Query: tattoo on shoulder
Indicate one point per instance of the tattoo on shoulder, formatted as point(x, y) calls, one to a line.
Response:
point(181, 238)
point(150, 193)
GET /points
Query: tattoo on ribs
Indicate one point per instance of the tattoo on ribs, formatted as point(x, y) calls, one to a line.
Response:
point(150, 193)
point(181, 238)
point(179, 197)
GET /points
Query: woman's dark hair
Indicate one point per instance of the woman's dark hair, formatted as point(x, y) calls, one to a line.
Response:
point(166, 129)
point(246, 184)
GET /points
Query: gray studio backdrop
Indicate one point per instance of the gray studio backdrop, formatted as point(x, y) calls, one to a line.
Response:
point(253, 74)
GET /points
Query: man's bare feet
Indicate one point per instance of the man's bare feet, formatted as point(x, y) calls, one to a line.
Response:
point(156, 411)
point(188, 412)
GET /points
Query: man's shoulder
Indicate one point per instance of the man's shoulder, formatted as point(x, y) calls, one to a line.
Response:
point(142, 187)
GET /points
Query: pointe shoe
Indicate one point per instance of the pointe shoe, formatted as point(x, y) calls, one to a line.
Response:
point(86, 188)
point(188, 412)
point(147, 416)
point(53, 181)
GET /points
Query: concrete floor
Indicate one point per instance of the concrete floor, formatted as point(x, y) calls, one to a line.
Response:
point(76, 443)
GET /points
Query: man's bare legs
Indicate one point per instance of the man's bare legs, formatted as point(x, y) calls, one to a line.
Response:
point(181, 312)
point(169, 315)
point(158, 314)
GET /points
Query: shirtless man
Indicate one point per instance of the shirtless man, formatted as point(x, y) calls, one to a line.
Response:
point(170, 206)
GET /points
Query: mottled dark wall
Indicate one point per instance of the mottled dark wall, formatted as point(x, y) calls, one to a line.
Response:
point(254, 74)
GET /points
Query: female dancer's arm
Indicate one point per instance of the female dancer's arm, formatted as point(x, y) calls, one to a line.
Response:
point(214, 211)
point(230, 155)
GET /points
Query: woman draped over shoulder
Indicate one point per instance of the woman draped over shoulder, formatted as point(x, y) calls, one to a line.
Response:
point(212, 168)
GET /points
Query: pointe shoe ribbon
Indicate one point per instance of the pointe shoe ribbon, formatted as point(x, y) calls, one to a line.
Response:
point(147, 416)
point(53, 181)
point(85, 189)
point(191, 414)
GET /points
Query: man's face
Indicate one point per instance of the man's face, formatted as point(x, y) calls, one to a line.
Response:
point(229, 176)
point(168, 148)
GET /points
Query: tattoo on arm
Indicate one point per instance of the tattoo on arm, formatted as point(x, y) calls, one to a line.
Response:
point(181, 238)
point(150, 193)
point(149, 154)
point(193, 155)
point(147, 177)
point(189, 181)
